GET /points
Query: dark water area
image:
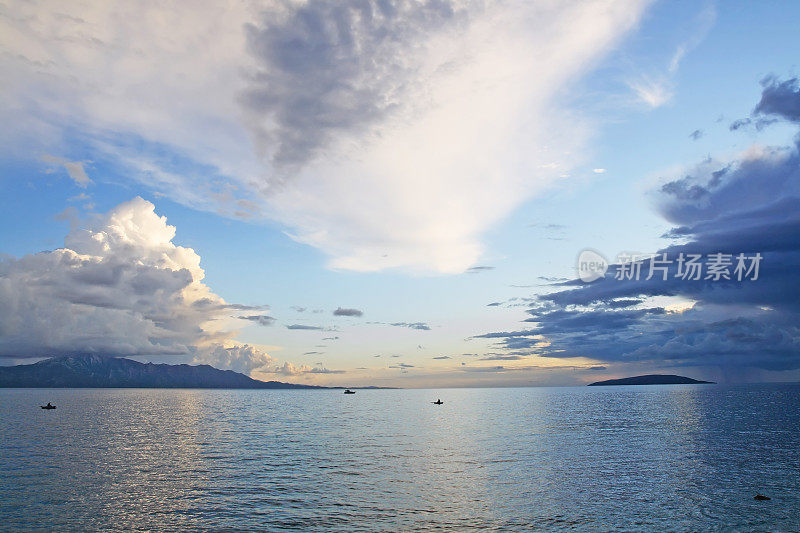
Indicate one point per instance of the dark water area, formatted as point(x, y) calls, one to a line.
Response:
point(646, 458)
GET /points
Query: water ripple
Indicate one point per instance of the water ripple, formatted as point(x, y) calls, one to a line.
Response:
point(684, 458)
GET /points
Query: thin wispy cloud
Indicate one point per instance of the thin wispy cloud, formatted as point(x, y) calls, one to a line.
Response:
point(653, 91)
point(702, 24)
point(412, 325)
point(479, 269)
point(656, 88)
point(74, 169)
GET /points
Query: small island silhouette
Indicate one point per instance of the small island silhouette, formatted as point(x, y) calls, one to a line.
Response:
point(651, 379)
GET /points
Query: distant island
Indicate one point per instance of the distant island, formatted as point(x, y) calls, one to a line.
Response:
point(98, 371)
point(650, 379)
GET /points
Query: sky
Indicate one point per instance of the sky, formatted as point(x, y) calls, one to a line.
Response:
point(399, 193)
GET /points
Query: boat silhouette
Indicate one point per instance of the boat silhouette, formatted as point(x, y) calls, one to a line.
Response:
point(348, 391)
point(438, 402)
point(48, 406)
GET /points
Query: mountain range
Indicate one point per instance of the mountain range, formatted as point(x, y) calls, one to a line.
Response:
point(98, 371)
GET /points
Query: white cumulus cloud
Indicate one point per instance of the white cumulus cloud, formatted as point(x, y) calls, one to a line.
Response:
point(119, 286)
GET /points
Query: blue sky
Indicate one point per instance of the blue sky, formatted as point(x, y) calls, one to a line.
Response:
point(413, 162)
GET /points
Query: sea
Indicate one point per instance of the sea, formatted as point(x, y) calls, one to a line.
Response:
point(624, 458)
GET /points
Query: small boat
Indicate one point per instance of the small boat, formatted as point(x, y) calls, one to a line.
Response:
point(48, 406)
point(438, 402)
point(348, 391)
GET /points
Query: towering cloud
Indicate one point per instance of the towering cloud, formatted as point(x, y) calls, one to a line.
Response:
point(120, 287)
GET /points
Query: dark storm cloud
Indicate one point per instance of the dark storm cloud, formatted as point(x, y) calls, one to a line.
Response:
point(340, 311)
point(629, 302)
point(564, 321)
point(326, 68)
point(748, 206)
point(760, 179)
point(780, 98)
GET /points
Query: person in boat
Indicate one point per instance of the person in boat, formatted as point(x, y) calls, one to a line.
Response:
point(438, 401)
point(48, 405)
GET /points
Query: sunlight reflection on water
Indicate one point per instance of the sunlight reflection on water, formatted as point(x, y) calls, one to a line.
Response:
point(683, 458)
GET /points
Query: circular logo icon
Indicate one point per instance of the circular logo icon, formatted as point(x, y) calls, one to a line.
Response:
point(591, 265)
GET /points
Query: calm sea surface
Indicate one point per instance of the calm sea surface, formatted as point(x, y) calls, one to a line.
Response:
point(654, 458)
